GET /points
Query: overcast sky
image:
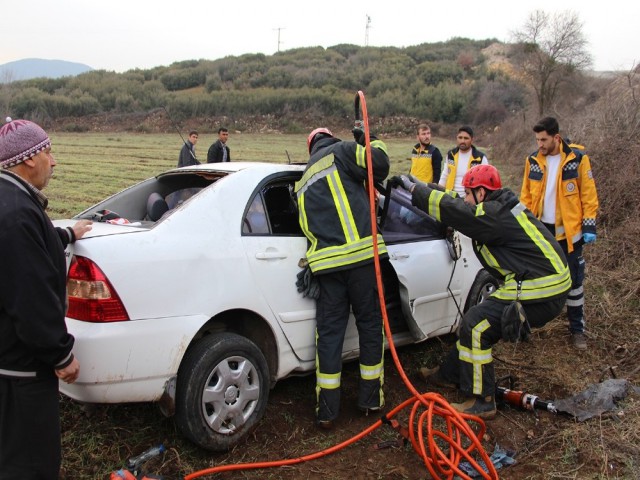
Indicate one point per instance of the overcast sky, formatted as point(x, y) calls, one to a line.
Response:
point(124, 34)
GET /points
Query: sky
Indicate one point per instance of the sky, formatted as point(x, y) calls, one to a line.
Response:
point(120, 35)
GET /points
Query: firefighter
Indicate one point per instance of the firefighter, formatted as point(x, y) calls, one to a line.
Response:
point(517, 250)
point(334, 214)
point(558, 187)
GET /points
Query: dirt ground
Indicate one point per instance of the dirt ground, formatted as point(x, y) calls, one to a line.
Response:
point(545, 445)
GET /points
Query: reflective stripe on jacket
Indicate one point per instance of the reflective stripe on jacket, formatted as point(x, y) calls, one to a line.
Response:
point(333, 203)
point(576, 195)
point(508, 240)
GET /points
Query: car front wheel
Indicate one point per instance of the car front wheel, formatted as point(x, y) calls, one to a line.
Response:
point(222, 390)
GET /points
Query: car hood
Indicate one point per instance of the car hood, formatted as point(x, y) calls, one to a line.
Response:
point(100, 229)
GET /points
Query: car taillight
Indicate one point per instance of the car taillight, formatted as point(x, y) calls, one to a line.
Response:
point(92, 298)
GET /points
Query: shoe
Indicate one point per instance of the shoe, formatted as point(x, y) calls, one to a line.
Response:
point(368, 410)
point(324, 424)
point(480, 407)
point(579, 340)
point(432, 376)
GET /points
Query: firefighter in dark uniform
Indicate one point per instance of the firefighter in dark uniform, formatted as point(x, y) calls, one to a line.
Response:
point(334, 214)
point(518, 251)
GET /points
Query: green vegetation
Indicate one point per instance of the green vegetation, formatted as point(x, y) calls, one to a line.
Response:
point(444, 79)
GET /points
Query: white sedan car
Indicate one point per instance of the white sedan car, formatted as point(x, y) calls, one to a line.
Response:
point(184, 293)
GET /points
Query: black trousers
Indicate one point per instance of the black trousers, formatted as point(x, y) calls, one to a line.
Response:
point(29, 429)
point(470, 364)
point(355, 288)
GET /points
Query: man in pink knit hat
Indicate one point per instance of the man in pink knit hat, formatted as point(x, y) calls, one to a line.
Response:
point(35, 347)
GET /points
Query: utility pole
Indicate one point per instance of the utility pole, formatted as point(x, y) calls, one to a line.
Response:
point(366, 31)
point(279, 42)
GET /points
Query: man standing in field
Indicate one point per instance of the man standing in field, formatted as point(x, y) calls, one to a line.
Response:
point(460, 160)
point(188, 151)
point(35, 347)
point(426, 159)
point(558, 187)
point(219, 151)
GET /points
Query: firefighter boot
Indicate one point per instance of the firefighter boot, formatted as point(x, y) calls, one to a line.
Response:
point(433, 377)
point(483, 407)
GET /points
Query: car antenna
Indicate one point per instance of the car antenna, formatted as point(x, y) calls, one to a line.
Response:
point(288, 156)
point(178, 130)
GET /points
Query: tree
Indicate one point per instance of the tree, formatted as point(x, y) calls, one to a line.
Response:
point(550, 49)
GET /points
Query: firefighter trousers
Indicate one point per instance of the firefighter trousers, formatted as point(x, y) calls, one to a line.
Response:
point(340, 290)
point(470, 364)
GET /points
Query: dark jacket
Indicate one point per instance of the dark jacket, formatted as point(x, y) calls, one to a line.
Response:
point(215, 153)
point(507, 239)
point(333, 204)
point(187, 155)
point(33, 334)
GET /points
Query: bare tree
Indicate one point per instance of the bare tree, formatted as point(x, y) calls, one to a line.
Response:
point(550, 49)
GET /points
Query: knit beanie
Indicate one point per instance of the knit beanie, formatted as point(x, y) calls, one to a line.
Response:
point(19, 141)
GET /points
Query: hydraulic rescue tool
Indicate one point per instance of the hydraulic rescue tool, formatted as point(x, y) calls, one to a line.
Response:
point(520, 399)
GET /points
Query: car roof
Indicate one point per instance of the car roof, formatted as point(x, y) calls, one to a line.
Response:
point(231, 167)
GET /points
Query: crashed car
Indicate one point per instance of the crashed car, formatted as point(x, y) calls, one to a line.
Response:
point(184, 293)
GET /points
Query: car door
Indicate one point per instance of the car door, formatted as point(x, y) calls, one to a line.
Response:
point(274, 245)
point(428, 275)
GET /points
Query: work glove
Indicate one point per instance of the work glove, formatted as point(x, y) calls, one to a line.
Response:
point(402, 181)
point(358, 132)
point(435, 186)
point(514, 325)
point(307, 284)
point(589, 238)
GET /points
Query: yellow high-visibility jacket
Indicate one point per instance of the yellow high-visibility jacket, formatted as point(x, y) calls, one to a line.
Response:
point(577, 198)
point(450, 166)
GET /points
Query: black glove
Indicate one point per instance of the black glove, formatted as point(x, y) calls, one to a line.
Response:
point(358, 132)
point(514, 324)
point(435, 186)
point(402, 181)
point(307, 283)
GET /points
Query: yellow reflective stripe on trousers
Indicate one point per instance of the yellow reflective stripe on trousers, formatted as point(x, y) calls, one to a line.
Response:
point(328, 381)
point(371, 372)
point(543, 287)
point(475, 355)
point(343, 208)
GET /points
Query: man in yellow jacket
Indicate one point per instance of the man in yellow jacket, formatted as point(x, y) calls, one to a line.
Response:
point(559, 189)
point(461, 159)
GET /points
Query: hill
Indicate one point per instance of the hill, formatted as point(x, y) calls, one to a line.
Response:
point(39, 67)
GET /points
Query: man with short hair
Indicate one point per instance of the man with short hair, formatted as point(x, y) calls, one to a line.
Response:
point(460, 159)
point(219, 151)
point(188, 151)
point(426, 159)
point(516, 249)
point(558, 187)
point(35, 347)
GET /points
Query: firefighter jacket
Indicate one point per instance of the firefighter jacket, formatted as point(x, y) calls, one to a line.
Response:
point(577, 199)
point(508, 240)
point(333, 204)
point(426, 163)
point(451, 165)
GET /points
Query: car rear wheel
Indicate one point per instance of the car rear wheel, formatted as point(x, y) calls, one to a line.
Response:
point(222, 390)
point(483, 286)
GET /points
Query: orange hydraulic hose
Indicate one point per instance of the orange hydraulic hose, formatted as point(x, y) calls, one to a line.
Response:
point(460, 438)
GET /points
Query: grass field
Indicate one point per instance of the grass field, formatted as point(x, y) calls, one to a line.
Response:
point(92, 166)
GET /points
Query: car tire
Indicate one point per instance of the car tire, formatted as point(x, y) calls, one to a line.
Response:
point(222, 390)
point(483, 286)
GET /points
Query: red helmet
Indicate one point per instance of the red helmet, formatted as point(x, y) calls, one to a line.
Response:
point(315, 132)
point(486, 176)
